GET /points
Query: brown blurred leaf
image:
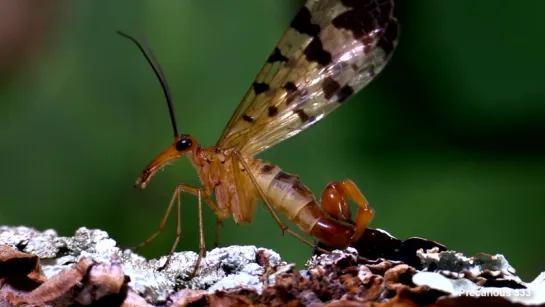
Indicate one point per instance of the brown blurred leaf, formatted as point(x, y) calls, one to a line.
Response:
point(23, 26)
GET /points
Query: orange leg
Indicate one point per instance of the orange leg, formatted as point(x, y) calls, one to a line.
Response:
point(176, 196)
point(335, 202)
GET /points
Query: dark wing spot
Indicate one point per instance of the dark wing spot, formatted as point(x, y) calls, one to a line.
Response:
point(291, 63)
point(355, 67)
point(364, 17)
point(290, 87)
point(345, 92)
point(304, 116)
point(330, 87)
point(302, 24)
point(247, 118)
point(260, 87)
point(360, 23)
point(267, 169)
point(315, 52)
point(387, 41)
point(277, 56)
point(273, 111)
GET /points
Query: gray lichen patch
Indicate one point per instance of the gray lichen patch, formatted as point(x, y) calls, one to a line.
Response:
point(481, 275)
point(221, 268)
point(45, 244)
point(456, 262)
point(381, 271)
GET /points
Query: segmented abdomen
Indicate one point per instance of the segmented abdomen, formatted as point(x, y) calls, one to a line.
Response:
point(288, 195)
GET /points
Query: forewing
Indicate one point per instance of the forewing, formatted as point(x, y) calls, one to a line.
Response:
point(332, 49)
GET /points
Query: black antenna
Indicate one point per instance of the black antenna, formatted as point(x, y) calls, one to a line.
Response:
point(148, 54)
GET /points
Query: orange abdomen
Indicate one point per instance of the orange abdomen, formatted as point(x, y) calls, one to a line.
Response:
point(288, 195)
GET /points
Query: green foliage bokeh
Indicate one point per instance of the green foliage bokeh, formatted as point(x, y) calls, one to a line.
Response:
point(447, 142)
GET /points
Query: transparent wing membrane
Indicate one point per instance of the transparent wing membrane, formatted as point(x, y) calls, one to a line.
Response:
point(331, 50)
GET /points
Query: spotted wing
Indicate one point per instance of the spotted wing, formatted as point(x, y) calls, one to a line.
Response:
point(332, 49)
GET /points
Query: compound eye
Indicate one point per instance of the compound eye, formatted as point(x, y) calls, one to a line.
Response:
point(183, 144)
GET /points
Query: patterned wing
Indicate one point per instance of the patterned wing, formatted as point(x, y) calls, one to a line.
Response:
point(332, 49)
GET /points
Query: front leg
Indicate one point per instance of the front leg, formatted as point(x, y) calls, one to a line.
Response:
point(200, 193)
point(335, 203)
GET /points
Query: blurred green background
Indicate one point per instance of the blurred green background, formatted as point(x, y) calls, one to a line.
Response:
point(447, 143)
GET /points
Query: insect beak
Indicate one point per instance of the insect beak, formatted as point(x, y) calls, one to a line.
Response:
point(168, 156)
